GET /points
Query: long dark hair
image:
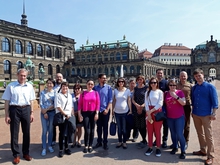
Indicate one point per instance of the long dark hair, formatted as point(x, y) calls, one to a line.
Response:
point(149, 84)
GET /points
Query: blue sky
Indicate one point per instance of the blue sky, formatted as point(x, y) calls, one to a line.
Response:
point(147, 23)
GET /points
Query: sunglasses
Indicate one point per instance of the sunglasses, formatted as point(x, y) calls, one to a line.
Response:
point(120, 81)
point(172, 85)
point(153, 82)
point(90, 84)
point(76, 88)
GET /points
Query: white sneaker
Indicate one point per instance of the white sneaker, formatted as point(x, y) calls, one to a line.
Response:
point(44, 152)
point(51, 149)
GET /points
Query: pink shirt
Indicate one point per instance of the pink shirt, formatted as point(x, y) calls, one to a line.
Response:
point(174, 108)
point(89, 101)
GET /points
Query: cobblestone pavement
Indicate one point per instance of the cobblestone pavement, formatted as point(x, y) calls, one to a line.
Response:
point(130, 156)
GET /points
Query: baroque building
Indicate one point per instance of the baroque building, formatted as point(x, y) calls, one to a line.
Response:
point(108, 57)
point(207, 57)
point(19, 42)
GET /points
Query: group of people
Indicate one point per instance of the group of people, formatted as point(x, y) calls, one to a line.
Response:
point(134, 107)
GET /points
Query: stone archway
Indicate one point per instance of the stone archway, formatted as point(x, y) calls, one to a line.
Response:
point(212, 72)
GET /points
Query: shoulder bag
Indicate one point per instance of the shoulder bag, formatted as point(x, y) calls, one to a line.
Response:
point(159, 116)
point(58, 117)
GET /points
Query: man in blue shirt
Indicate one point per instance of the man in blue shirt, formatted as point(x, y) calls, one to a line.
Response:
point(204, 106)
point(105, 93)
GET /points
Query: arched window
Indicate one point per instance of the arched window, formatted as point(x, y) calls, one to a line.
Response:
point(112, 57)
point(57, 69)
point(100, 70)
point(125, 70)
point(118, 69)
point(48, 51)
point(78, 72)
point(7, 67)
point(29, 49)
point(139, 69)
point(50, 69)
point(132, 69)
point(5, 45)
point(118, 56)
point(57, 53)
point(106, 70)
point(93, 58)
point(124, 56)
point(19, 64)
point(83, 58)
point(88, 72)
point(94, 71)
point(39, 50)
point(39, 66)
point(112, 71)
point(83, 72)
point(18, 47)
point(99, 57)
point(106, 57)
point(88, 58)
point(73, 72)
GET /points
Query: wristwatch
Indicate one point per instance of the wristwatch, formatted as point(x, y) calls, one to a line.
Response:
point(178, 98)
point(213, 114)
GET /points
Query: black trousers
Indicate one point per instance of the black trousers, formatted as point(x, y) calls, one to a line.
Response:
point(89, 126)
point(20, 115)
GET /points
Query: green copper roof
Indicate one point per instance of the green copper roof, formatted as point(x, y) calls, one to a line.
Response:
point(109, 45)
point(203, 45)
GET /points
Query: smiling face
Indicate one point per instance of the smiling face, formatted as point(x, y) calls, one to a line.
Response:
point(159, 74)
point(90, 85)
point(103, 79)
point(64, 89)
point(153, 84)
point(199, 78)
point(172, 85)
point(183, 77)
point(50, 84)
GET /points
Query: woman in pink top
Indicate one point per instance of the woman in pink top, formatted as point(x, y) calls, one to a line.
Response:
point(88, 112)
point(175, 100)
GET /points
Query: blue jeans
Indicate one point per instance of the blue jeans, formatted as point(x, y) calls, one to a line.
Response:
point(176, 129)
point(47, 127)
point(121, 123)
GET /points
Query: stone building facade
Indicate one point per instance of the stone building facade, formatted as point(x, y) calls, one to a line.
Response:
point(207, 57)
point(19, 42)
point(108, 57)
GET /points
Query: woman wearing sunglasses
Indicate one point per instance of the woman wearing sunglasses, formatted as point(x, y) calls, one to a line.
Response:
point(121, 108)
point(153, 104)
point(175, 100)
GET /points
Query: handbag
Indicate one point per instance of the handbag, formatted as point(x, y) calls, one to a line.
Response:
point(112, 128)
point(160, 116)
point(58, 117)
